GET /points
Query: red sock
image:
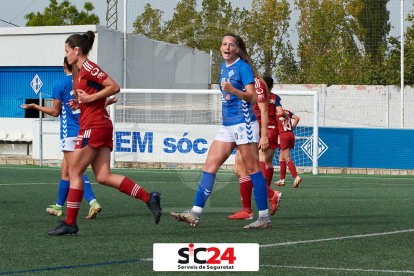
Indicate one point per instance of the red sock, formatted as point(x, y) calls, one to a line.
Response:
point(73, 205)
point(282, 169)
point(270, 192)
point(130, 188)
point(292, 168)
point(246, 187)
point(263, 167)
point(269, 175)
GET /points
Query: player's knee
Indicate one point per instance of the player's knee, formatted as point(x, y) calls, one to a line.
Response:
point(102, 179)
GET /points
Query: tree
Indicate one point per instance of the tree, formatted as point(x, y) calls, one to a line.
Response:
point(266, 31)
point(329, 47)
point(63, 14)
point(374, 19)
point(149, 23)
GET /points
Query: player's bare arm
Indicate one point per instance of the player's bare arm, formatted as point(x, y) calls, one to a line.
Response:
point(282, 113)
point(297, 119)
point(52, 111)
point(111, 88)
point(249, 95)
point(264, 141)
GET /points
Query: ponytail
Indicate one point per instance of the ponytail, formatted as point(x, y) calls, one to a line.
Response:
point(83, 41)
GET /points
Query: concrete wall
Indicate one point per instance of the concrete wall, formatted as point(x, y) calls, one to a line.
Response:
point(151, 64)
point(38, 46)
point(154, 64)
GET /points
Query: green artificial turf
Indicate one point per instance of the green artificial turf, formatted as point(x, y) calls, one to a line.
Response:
point(330, 225)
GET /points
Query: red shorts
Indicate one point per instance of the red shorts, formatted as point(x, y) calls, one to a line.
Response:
point(96, 138)
point(286, 140)
point(272, 135)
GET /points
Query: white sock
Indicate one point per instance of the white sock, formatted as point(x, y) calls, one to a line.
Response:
point(197, 209)
point(264, 214)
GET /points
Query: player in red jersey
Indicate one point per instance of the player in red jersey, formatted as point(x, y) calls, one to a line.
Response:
point(94, 142)
point(246, 185)
point(287, 142)
point(273, 104)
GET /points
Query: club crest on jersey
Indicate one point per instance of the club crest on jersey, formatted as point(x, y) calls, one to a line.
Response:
point(231, 73)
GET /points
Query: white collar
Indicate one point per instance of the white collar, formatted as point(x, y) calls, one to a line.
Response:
point(233, 62)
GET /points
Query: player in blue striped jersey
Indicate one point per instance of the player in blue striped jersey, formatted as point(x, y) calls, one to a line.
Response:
point(69, 128)
point(240, 128)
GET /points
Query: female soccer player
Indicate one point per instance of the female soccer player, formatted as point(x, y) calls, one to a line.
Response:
point(94, 142)
point(240, 128)
point(69, 128)
point(287, 142)
point(262, 109)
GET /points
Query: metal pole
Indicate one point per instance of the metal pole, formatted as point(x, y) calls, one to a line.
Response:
point(402, 63)
point(40, 132)
point(315, 132)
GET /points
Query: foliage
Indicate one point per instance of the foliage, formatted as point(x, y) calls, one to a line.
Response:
point(340, 41)
point(149, 23)
point(266, 32)
point(63, 14)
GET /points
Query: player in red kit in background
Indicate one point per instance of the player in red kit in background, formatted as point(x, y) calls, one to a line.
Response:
point(287, 142)
point(261, 112)
point(94, 142)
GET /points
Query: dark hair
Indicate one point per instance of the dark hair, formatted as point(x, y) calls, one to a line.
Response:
point(269, 81)
point(68, 66)
point(83, 41)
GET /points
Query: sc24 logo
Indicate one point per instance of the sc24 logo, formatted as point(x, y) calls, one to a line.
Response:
point(228, 255)
point(184, 145)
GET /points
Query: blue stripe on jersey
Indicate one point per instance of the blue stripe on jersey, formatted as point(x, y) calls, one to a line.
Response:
point(94, 85)
point(234, 109)
point(69, 120)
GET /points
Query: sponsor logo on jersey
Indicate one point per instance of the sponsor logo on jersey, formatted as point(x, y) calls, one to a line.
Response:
point(100, 75)
point(94, 71)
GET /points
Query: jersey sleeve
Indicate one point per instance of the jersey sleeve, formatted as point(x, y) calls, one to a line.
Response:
point(260, 91)
point(97, 75)
point(278, 101)
point(57, 91)
point(291, 114)
point(246, 74)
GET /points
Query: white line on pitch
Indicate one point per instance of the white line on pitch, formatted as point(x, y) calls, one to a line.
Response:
point(339, 238)
point(342, 269)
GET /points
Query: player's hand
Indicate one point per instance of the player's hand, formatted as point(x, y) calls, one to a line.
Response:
point(226, 86)
point(111, 101)
point(28, 106)
point(84, 97)
point(73, 104)
point(263, 143)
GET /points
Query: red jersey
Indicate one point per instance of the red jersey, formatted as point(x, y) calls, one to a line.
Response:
point(274, 101)
point(288, 127)
point(261, 93)
point(93, 114)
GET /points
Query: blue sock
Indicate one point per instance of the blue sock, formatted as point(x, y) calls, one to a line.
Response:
point(260, 190)
point(63, 192)
point(87, 194)
point(204, 189)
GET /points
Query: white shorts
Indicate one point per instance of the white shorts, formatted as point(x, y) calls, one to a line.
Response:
point(67, 144)
point(240, 134)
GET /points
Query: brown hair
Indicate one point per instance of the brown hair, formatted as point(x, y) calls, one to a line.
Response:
point(245, 57)
point(83, 41)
